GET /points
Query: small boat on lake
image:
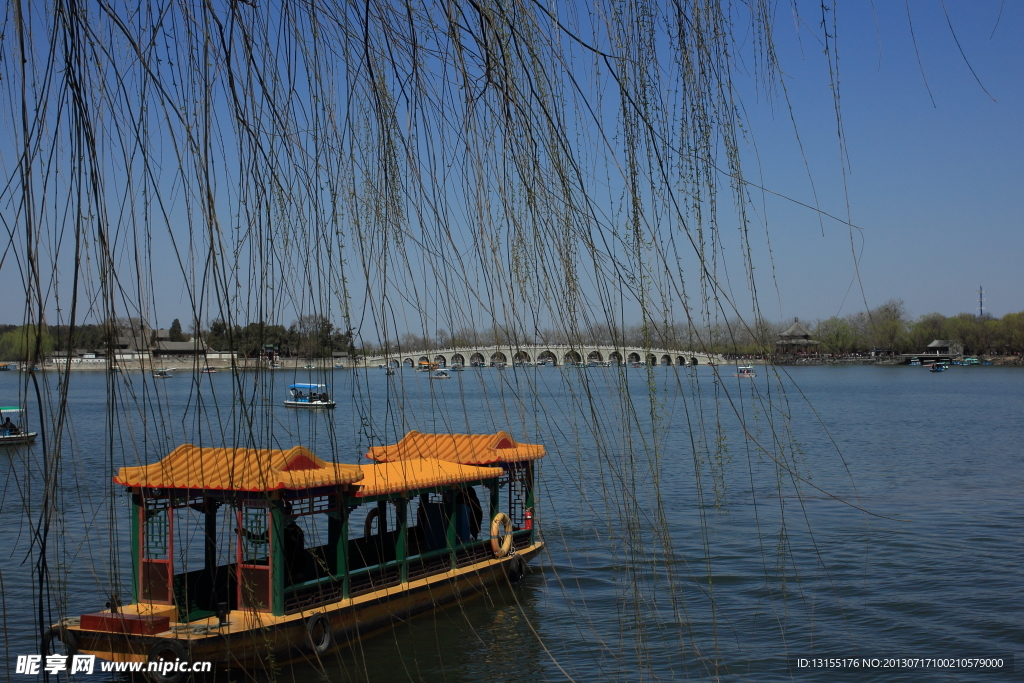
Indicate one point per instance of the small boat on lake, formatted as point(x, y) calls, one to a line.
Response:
point(208, 370)
point(441, 374)
point(11, 432)
point(8, 367)
point(389, 371)
point(745, 371)
point(164, 374)
point(456, 367)
point(309, 396)
point(432, 519)
point(938, 367)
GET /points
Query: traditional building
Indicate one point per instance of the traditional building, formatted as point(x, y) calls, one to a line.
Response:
point(796, 339)
point(945, 347)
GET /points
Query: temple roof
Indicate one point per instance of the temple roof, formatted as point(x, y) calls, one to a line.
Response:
point(238, 469)
point(409, 475)
point(796, 331)
point(464, 449)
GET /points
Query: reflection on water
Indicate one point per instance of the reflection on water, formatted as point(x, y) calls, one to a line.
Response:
point(730, 576)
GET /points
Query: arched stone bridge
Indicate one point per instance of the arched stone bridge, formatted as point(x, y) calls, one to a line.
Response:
point(549, 354)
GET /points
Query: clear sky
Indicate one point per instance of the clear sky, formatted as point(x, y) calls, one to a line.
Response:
point(932, 176)
point(936, 189)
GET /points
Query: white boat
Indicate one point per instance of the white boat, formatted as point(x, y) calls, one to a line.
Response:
point(745, 371)
point(208, 371)
point(309, 396)
point(11, 432)
point(164, 374)
point(456, 367)
point(441, 374)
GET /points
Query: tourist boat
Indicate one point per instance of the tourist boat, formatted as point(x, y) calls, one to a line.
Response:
point(404, 535)
point(309, 396)
point(745, 371)
point(389, 371)
point(8, 367)
point(11, 432)
point(164, 374)
point(938, 367)
point(456, 367)
point(441, 374)
point(427, 366)
point(208, 371)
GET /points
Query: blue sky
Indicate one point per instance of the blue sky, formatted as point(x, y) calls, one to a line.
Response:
point(934, 189)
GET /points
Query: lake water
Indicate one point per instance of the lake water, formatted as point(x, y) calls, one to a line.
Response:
point(862, 512)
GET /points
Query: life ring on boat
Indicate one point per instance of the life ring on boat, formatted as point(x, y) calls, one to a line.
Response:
point(167, 650)
point(319, 633)
point(64, 638)
point(515, 569)
point(373, 514)
point(501, 547)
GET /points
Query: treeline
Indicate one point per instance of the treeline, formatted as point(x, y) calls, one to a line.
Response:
point(311, 336)
point(885, 329)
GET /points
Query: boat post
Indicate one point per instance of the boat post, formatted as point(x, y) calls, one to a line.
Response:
point(401, 541)
point(210, 507)
point(277, 565)
point(137, 512)
point(337, 532)
point(450, 531)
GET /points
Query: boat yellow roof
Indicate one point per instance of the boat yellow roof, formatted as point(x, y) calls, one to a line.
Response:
point(239, 469)
point(463, 449)
point(408, 475)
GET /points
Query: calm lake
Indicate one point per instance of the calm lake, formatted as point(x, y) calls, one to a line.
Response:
point(862, 512)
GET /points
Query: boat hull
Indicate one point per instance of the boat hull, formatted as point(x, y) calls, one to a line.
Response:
point(252, 638)
point(311, 405)
point(14, 439)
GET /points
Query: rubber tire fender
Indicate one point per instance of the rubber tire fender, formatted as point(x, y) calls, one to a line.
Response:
point(161, 648)
point(502, 549)
point(63, 636)
point(515, 570)
point(325, 641)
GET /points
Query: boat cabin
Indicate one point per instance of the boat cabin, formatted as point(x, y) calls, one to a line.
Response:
point(309, 396)
point(229, 541)
point(12, 426)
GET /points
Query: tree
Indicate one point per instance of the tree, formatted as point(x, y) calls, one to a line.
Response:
point(175, 332)
point(26, 344)
point(836, 335)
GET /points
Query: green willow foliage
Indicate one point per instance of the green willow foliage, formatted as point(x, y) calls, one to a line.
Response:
point(400, 167)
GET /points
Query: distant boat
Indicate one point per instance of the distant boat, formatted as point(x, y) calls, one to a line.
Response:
point(113, 368)
point(309, 366)
point(441, 374)
point(456, 367)
point(745, 371)
point(164, 374)
point(208, 371)
point(8, 366)
point(10, 432)
point(389, 371)
point(938, 367)
point(309, 396)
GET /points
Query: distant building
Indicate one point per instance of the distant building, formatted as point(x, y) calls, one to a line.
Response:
point(192, 347)
point(945, 347)
point(797, 339)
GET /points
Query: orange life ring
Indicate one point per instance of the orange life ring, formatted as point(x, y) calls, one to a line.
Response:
point(503, 548)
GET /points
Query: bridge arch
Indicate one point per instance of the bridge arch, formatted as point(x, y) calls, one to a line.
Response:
point(394, 363)
point(693, 361)
point(595, 355)
point(572, 357)
point(458, 359)
point(652, 360)
point(547, 357)
point(634, 357)
point(476, 359)
point(424, 359)
point(441, 360)
point(615, 357)
point(499, 357)
point(680, 360)
point(409, 361)
point(521, 357)
point(666, 360)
